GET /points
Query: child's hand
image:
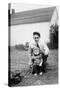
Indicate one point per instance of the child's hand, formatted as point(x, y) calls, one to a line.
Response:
point(40, 64)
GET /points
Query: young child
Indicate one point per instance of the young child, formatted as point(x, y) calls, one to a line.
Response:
point(35, 49)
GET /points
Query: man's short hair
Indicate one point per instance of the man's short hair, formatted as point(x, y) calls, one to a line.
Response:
point(36, 33)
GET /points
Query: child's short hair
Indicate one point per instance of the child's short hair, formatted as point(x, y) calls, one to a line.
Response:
point(36, 33)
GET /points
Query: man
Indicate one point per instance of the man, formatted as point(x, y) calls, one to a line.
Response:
point(35, 47)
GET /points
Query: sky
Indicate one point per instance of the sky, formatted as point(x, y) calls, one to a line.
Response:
point(24, 7)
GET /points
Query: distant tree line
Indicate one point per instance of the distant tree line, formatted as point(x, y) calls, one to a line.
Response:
point(22, 46)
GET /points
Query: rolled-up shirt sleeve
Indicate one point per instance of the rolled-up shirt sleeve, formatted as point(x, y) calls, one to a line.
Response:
point(46, 49)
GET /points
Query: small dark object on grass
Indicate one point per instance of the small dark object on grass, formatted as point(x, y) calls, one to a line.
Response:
point(15, 78)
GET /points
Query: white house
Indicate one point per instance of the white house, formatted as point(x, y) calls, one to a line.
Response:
point(24, 23)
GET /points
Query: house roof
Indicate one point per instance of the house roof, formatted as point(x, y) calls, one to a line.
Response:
point(32, 16)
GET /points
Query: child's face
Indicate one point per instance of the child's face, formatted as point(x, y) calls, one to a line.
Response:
point(36, 38)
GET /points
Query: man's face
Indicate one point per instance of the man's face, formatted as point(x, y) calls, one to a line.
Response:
point(36, 38)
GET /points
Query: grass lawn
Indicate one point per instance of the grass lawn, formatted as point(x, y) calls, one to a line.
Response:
point(19, 61)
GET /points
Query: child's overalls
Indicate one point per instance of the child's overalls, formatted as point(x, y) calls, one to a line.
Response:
point(36, 52)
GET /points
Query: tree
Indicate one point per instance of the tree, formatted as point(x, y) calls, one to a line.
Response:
point(53, 36)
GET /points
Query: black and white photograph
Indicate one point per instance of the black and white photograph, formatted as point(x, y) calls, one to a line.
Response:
point(32, 44)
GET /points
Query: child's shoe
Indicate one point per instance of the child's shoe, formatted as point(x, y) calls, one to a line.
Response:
point(41, 73)
point(35, 74)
